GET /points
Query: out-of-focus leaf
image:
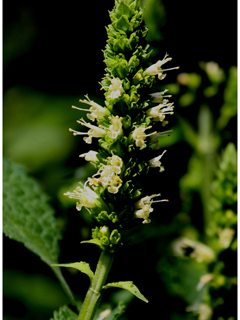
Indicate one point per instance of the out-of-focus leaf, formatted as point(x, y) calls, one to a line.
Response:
point(173, 88)
point(127, 285)
point(64, 313)
point(181, 277)
point(46, 293)
point(214, 72)
point(208, 141)
point(210, 91)
point(229, 108)
point(188, 132)
point(192, 179)
point(154, 16)
point(28, 218)
point(191, 80)
point(35, 127)
point(186, 99)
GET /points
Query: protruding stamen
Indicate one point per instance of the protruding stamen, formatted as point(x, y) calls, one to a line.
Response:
point(77, 133)
point(164, 200)
point(170, 69)
point(80, 109)
point(150, 134)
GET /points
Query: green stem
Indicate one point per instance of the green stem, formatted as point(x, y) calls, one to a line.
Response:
point(93, 295)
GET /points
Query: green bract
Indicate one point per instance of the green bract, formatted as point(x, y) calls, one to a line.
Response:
point(127, 128)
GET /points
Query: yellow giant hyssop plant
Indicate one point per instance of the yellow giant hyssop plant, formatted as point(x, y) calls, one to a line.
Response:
point(128, 127)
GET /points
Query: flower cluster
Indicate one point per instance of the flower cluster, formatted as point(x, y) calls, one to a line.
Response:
point(127, 127)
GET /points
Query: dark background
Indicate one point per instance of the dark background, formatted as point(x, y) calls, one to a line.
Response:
point(53, 49)
point(64, 54)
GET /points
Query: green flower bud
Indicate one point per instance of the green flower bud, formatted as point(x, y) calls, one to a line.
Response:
point(105, 240)
point(137, 77)
point(105, 231)
point(115, 237)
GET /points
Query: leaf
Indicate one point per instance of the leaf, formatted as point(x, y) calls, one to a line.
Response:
point(188, 132)
point(181, 277)
point(28, 218)
point(64, 313)
point(117, 312)
point(127, 285)
point(81, 266)
point(95, 241)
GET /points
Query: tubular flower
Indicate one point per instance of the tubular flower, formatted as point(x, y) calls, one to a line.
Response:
point(146, 201)
point(159, 112)
point(158, 97)
point(156, 68)
point(94, 132)
point(87, 198)
point(109, 174)
point(89, 156)
point(116, 162)
point(144, 208)
point(139, 136)
point(115, 129)
point(95, 110)
point(144, 214)
point(115, 88)
point(155, 163)
point(109, 179)
point(115, 183)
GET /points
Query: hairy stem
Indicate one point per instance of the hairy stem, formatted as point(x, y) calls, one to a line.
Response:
point(93, 296)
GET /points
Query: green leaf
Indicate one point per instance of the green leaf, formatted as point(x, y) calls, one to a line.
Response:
point(127, 285)
point(81, 266)
point(95, 241)
point(117, 312)
point(188, 132)
point(64, 313)
point(181, 277)
point(229, 107)
point(28, 218)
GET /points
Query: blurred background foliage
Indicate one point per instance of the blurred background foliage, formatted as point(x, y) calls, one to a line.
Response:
point(51, 58)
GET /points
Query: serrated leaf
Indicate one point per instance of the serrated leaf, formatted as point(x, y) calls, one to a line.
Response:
point(127, 285)
point(28, 218)
point(64, 313)
point(81, 266)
